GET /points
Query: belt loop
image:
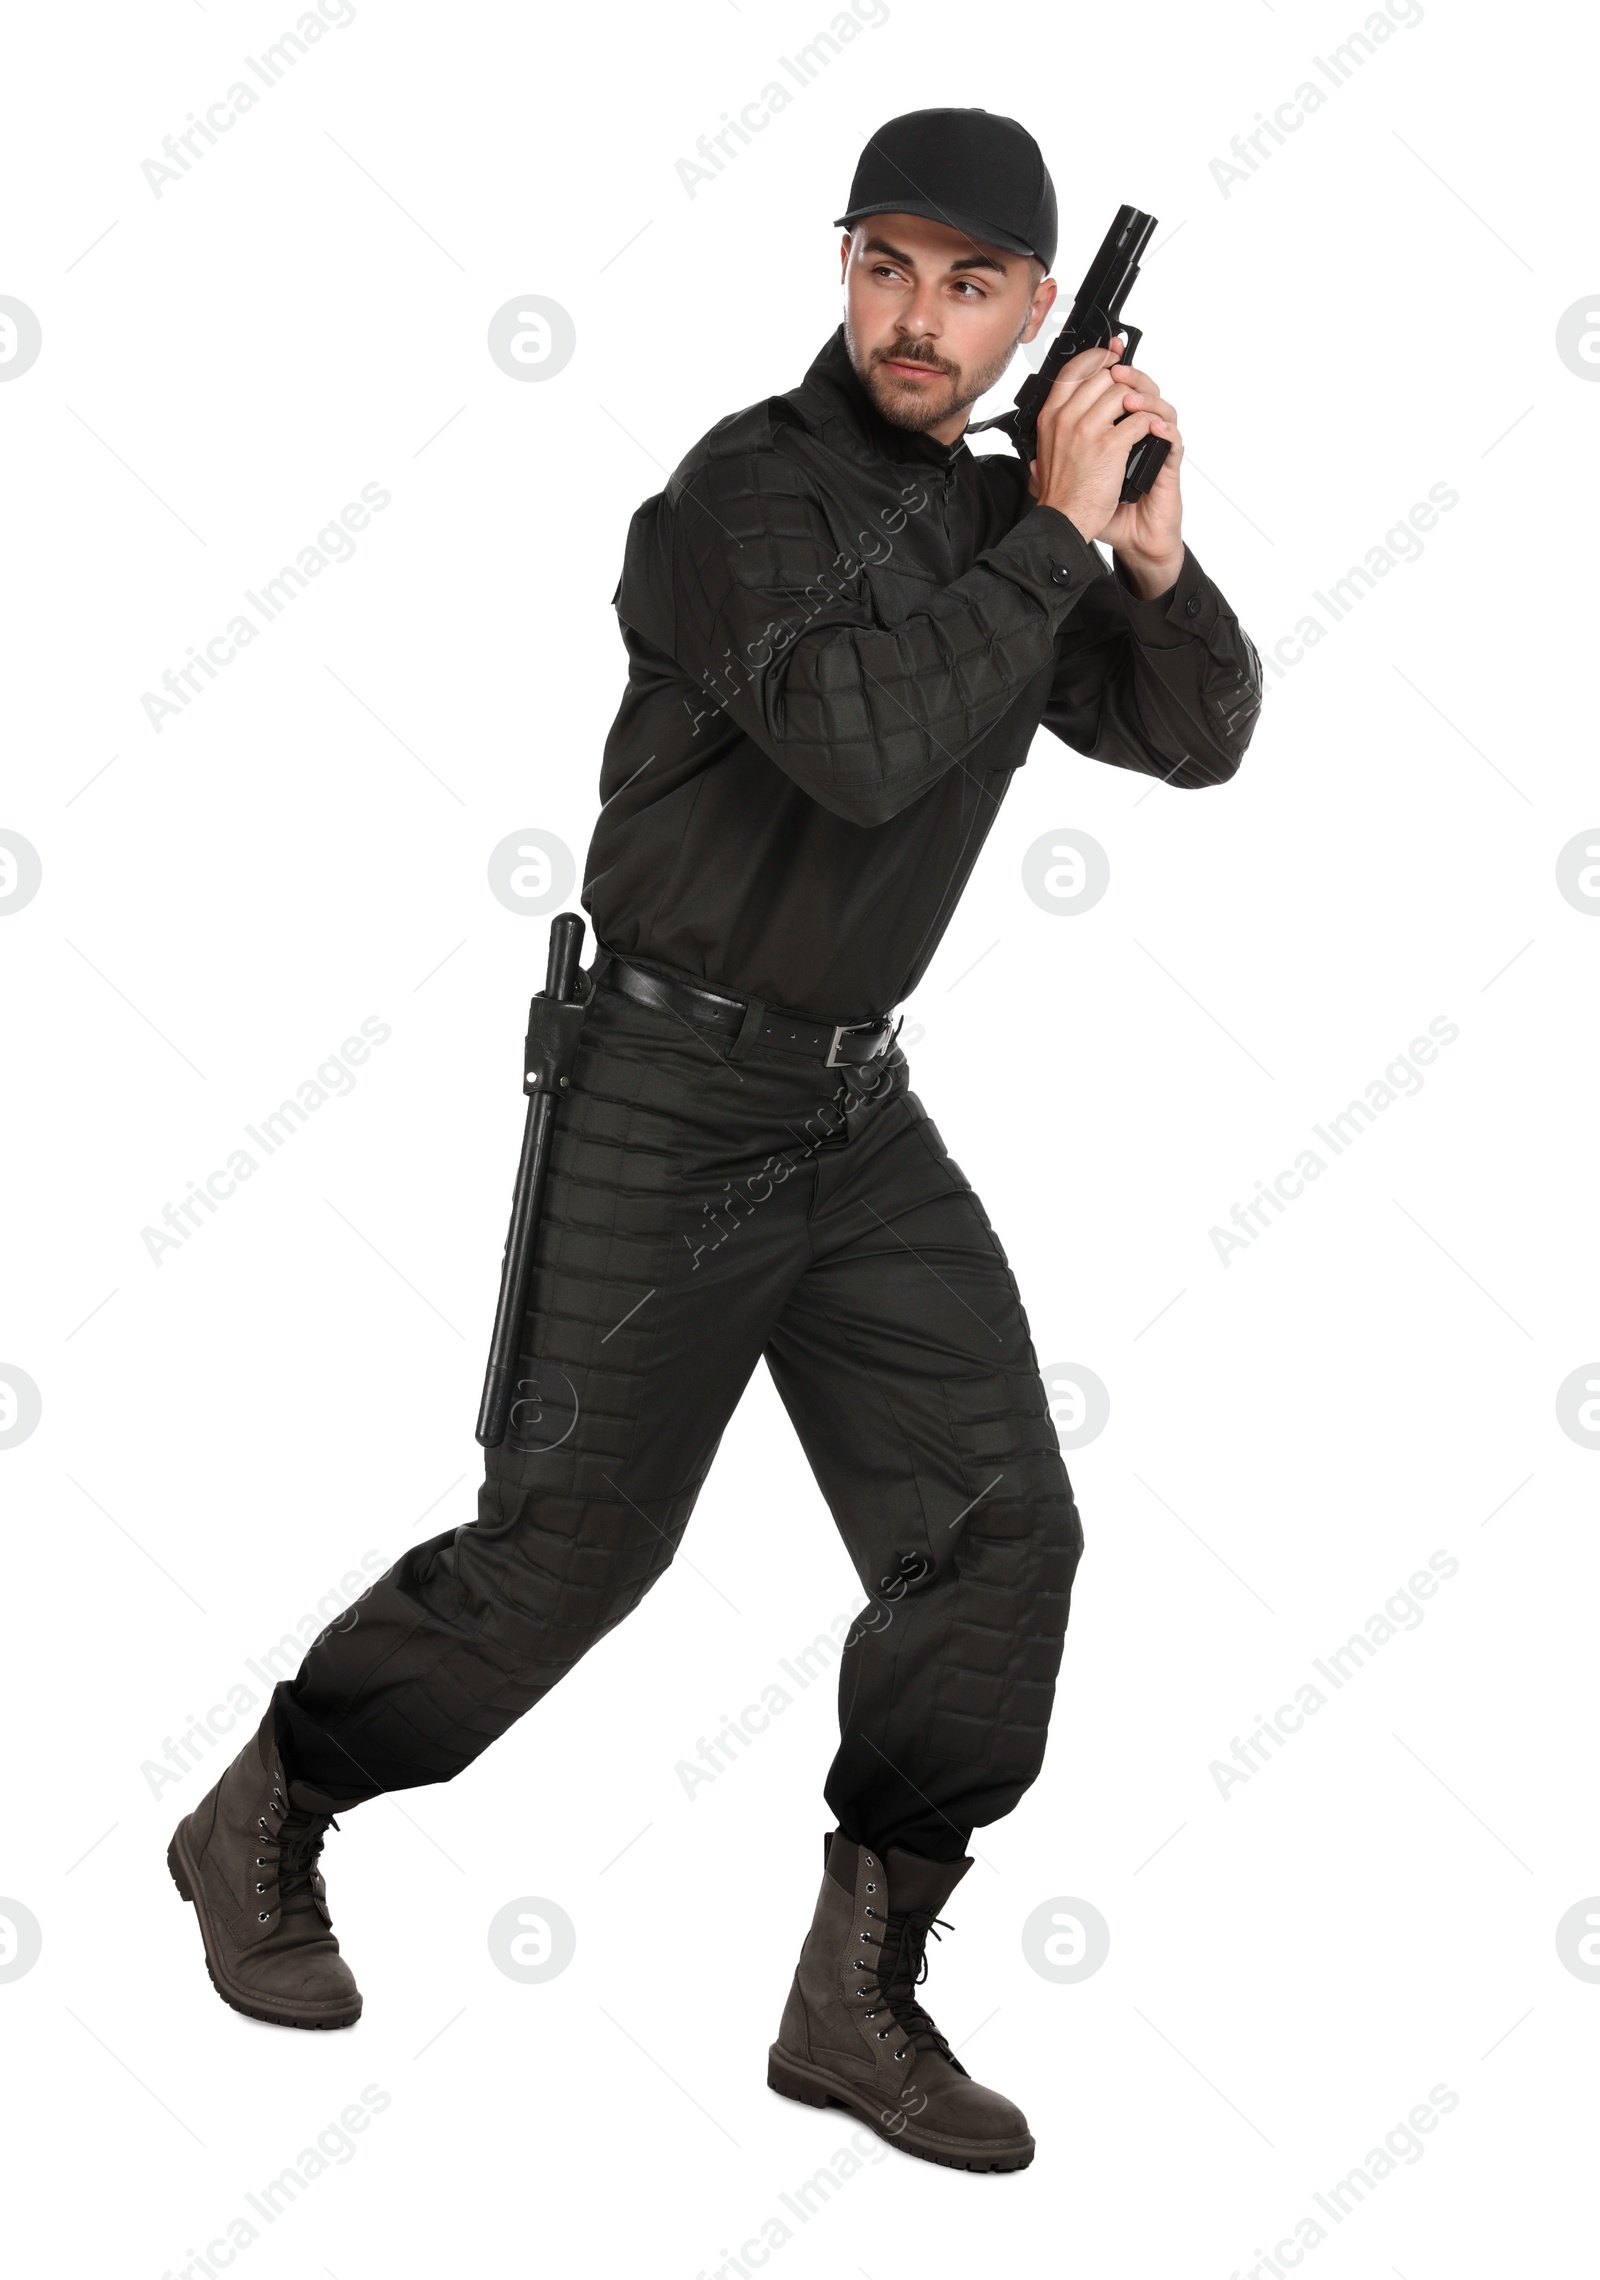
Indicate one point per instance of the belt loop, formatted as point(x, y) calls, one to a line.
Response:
point(755, 1013)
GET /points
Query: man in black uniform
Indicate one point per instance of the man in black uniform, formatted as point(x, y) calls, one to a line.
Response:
point(843, 631)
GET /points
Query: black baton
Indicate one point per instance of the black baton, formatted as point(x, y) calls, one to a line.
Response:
point(554, 1020)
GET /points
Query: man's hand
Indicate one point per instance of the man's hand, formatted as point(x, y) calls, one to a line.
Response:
point(1083, 447)
point(1147, 533)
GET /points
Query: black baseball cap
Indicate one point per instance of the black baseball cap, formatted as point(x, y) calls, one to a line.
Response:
point(972, 170)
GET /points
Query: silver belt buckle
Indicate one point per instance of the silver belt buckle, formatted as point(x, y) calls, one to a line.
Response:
point(853, 1029)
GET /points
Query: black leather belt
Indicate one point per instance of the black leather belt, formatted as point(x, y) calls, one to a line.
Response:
point(836, 1043)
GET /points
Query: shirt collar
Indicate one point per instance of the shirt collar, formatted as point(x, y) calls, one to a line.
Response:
point(832, 403)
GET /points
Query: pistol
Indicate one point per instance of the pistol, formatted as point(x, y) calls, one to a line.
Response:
point(1093, 319)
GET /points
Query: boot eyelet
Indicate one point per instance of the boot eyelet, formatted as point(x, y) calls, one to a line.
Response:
point(898, 2053)
point(867, 1857)
point(872, 1888)
point(263, 1917)
point(261, 1888)
point(864, 1937)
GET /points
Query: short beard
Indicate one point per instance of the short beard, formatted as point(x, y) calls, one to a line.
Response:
point(904, 405)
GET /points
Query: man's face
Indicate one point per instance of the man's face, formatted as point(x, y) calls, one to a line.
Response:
point(932, 318)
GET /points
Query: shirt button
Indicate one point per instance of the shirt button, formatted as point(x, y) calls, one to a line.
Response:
point(1061, 575)
point(1192, 606)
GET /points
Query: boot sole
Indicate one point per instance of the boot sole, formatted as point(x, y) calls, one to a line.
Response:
point(186, 1879)
point(793, 2078)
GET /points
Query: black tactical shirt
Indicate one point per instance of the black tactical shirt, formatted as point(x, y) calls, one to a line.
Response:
point(841, 640)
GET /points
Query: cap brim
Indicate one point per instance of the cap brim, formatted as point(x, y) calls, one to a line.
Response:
point(984, 232)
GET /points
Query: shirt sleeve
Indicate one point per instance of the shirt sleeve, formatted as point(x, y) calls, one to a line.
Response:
point(773, 617)
point(1169, 686)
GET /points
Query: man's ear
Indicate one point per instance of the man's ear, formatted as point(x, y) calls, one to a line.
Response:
point(844, 253)
point(1044, 295)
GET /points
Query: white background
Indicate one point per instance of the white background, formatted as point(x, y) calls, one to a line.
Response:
point(1371, 312)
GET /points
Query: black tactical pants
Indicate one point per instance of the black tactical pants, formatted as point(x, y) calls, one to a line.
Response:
point(705, 1210)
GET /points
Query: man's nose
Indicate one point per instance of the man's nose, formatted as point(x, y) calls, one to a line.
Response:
point(920, 316)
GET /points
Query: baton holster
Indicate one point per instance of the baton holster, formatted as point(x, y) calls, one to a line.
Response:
point(551, 1046)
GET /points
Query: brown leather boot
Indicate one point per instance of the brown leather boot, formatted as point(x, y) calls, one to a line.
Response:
point(853, 2032)
point(246, 1859)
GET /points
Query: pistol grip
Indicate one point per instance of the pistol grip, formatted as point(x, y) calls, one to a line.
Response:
point(1144, 465)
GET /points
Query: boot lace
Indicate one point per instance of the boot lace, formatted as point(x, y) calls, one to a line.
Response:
point(289, 1856)
point(901, 1968)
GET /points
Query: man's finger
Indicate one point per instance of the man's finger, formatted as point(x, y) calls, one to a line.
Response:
point(1130, 376)
point(1080, 393)
point(1149, 400)
point(1084, 366)
point(1128, 431)
point(1107, 412)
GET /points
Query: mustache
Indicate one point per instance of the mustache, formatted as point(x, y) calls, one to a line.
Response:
point(908, 352)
